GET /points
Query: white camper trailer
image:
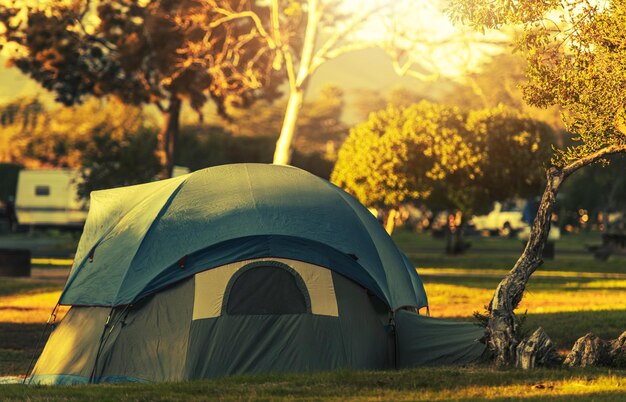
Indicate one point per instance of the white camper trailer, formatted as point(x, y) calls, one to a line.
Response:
point(47, 198)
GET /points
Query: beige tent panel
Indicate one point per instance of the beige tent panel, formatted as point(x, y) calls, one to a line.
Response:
point(210, 287)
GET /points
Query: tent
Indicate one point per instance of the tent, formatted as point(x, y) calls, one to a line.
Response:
point(245, 268)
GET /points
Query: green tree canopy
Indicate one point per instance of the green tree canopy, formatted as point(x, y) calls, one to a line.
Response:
point(435, 154)
point(399, 155)
point(515, 150)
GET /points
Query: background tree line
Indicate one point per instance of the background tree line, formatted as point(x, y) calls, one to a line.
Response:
point(113, 144)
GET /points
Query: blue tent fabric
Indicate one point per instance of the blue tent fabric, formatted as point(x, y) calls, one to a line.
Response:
point(139, 239)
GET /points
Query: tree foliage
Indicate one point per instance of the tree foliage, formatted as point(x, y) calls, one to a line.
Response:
point(113, 147)
point(515, 150)
point(436, 154)
point(576, 57)
point(202, 145)
point(498, 82)
point(143, 52)
point(400, 153)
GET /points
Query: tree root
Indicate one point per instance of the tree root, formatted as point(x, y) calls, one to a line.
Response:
point(589, 350)
point(536, 350)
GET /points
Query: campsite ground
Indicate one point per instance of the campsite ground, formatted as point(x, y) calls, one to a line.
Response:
point(569, 296)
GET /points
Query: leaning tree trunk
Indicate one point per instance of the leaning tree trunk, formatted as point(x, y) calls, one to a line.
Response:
point(168, 137)
point(502, 327)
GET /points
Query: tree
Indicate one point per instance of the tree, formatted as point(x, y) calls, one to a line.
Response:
point(499, 82)
point(144, 52)
point(515, 151)
point(399, 155)
point(576, 57)
point(319, 125)
point(113, 147)
point(305, 34)
point(449, 160)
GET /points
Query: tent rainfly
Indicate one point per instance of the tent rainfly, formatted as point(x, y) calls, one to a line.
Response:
point(245, 268)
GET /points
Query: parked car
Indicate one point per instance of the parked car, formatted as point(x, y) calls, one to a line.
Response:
point(503, 219)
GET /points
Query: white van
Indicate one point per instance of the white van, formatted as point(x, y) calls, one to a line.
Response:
point(48, 198)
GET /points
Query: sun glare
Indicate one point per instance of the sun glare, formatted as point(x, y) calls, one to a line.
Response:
point(451, 50)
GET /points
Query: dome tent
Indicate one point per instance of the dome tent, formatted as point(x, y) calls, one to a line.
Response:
point(240, 269)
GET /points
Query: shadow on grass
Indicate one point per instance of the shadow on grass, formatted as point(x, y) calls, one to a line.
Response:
point(18, 344)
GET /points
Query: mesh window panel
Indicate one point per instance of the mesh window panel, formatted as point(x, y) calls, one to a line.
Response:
point(266, 290)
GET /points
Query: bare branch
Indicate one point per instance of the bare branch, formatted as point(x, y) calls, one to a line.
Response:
point(405, 69)
point(276, 23)
point(160, 106)
point(289, 65)
point(229, 16)
point(349, 27)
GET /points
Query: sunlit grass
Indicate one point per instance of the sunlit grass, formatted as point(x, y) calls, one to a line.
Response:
point(30, 308)
point(448, 300)
point(423, 384)
point(615, 284)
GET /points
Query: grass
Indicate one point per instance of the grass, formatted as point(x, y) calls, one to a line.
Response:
point(501, 253)
point(25, 305)
point(423, 384)
point(569, 296)
point(16, 286)
point(423, 240)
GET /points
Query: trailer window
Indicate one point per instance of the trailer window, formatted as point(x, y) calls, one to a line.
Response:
point(42, 191)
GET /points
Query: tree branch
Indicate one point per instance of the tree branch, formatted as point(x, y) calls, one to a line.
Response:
point(276, 23)
point(289, 66)
point(405, 70)
point(229, 16)
point(591, 158)
point(350, 26)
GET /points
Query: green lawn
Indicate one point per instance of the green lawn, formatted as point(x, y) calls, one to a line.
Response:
point(424, 384)
point(501, 253)
point(457, 286)
point(13, 286)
